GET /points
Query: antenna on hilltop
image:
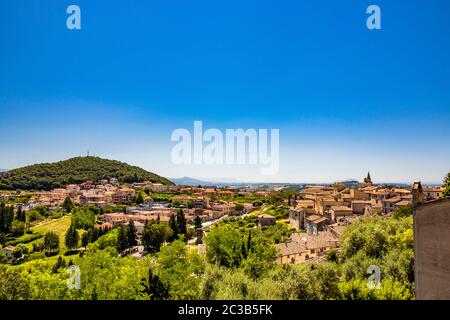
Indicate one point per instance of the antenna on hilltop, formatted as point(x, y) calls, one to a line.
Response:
point(88, 153)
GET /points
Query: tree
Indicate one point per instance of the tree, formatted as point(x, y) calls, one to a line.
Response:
point(86, 238)
point(72, 238)
point(447, 185)
point(357, 289)
point(224, 244)
point(154, 287)
point(371, 237)
point(180, 270)
point(13, 285)
point(332, 256)
point(400, 212)
point(60, 263)
point(155, 235)
point(6, 218)
point(181, 223)
point(198, 222)
point(20, 251)
point(132, 234)
point(51, 242)
point(68, 204)
point(2, 238)
point(20, 214)
point(138, 198)
point(17, 228)
point(173, 226)
point(239, 207)
point(122, 239)
point(83, 218)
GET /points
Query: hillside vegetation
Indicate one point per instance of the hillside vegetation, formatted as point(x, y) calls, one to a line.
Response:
point(47, 176)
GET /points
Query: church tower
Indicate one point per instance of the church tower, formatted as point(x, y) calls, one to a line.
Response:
point(368, 180)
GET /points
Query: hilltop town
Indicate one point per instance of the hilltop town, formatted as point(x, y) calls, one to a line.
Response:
point(316, 216)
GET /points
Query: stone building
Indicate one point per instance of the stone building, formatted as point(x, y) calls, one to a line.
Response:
point(266, 220)
point(432, 248)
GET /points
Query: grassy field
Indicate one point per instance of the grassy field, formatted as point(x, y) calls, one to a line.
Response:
point(58, 226)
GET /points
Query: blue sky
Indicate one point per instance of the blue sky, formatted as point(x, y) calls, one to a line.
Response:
point(346, 99)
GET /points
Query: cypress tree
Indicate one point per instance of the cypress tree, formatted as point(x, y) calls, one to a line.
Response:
point(139, 198)
point(51, 242)
point(198, 222)
point(154, 287)
point(132, 234)
point(6, 218)
point(181, 223)
point(249, 241)
point(85, 239)
point(173, 226)
point(122, 239)
point(72, 238)
point(95, 234)
point(68, 204)
point(20, 215)
point(60, 263)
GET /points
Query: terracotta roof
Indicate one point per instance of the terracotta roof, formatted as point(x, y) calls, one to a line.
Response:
point(399, 190)
point(316, 218)
point(432, 189)
point(341, 208)
point(403, 203)
point(393, 200)
point(290, 248)
point(266, 216)
point(321, 240)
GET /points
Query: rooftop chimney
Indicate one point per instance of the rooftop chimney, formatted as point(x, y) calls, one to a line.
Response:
point(417, 194)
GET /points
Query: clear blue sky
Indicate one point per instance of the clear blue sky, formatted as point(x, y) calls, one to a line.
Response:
point(346, 99)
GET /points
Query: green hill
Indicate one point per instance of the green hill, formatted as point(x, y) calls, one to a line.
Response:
point(47, 176)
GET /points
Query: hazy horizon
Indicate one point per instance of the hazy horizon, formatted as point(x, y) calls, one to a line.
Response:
point(230, 180)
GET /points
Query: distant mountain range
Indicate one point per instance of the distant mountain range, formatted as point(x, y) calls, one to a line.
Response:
point(3, 170)
point(188, 181)
point(349, 183)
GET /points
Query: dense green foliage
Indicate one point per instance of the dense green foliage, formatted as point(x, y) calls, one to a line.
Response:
point(180, 270)
point(386, 243)
point(6, 218)
point(83, 218)
point(251, 249)
point(48, 176)
point(239, 264)
point(155, 235)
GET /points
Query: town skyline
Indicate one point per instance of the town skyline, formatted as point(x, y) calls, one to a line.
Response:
point(221, 180)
